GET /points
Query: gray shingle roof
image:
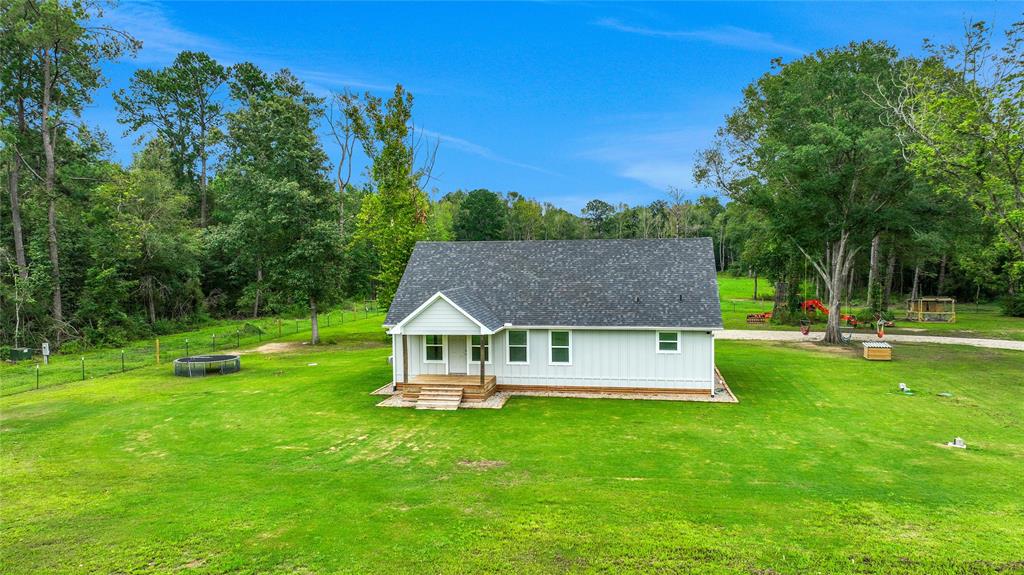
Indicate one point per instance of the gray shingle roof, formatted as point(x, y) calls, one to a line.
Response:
point(466, 299)
point(592, 283)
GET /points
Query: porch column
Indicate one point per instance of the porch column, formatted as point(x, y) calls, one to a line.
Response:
point(405, 359)
point(483, 342)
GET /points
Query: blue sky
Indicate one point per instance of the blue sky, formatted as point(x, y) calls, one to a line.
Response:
point(563, 102)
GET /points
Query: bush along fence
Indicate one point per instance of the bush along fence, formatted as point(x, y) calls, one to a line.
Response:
point(30, 374)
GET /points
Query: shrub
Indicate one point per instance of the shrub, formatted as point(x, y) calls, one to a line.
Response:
point(1013, 305)
point(866, 315)
point(787, 317)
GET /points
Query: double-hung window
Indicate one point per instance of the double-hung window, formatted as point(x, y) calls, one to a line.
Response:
point(433, 348)
point(560, 347)
point(474, 349)
point(518, 346)
point(668, 342)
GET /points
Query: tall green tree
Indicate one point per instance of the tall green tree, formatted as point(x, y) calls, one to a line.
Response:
point(16, 77)
point(182, 105)
point(65, 50)
point(481, 216)
point(280, 212)
point(394, 216)
point(524, 217)
point(143, 254)
point(961, 116)
point(599, 214)
point(810, 152)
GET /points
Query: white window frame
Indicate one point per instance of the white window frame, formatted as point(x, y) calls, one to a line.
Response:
point(444, 349)
point(657, 342)
point(469, 351)
point(551, 347)
point(508, 347)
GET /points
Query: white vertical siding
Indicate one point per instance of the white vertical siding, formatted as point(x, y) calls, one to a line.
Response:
point(440, 317)
point(600, 358)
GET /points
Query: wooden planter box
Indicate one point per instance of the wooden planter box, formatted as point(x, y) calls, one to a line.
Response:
point(877, 351)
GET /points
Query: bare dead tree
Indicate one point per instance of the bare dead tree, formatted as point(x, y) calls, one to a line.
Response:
point(343, 105)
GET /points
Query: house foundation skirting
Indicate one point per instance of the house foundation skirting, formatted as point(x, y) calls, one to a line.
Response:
point(497, 394)
point(517, 388)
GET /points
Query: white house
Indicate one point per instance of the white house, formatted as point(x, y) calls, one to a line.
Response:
point(562, 315)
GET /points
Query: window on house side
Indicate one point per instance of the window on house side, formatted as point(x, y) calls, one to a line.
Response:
point(474, 351)
point(434, 346)
point(518, 347)
point(561, 347)
point(668, 341)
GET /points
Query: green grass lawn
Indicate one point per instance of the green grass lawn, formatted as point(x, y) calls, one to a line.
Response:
point(289, 467)
point(984, 320)
point(215, 337)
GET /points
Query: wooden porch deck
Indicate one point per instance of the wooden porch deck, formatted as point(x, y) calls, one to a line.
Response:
point(470, 385)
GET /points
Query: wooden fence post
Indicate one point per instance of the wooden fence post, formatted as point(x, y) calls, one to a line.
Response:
point(158, 351)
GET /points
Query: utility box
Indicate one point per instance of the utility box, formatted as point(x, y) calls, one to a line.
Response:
point(20, 353)
point(877, 351)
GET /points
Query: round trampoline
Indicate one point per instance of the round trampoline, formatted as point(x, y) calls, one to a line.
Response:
point(202, 365)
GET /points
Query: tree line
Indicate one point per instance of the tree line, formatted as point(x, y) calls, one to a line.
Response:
point(856, 157)
point(862, 172)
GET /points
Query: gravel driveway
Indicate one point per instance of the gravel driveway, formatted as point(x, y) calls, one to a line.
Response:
point(765, 335)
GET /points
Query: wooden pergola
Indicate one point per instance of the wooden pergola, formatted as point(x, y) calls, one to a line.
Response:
point(932, 308)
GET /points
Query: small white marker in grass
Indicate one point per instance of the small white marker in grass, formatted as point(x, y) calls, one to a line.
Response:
point(957, 442)
point(904, 388)
point(311, 364)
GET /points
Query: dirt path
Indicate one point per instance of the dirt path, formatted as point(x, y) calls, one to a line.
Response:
point(765, 335)
point(277, 347)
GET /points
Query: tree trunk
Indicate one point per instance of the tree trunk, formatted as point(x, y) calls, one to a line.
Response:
point(19, 246)
point(14, 184)
point(49, 182)
point(314, 337)
point(917, 276)
point(834, 270)
point(259, 292)
point(151, 301)
point(755, 285)
point(942, 276)
point(204, 207)
point(842, 262)
point(849, 287)
point(341, 207)
point(17, 318)
point(873, 267)
point(890, 268)
point(780, 297)
point(721, 250)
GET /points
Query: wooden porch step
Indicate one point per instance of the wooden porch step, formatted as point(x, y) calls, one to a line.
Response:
point(470, 386)
point(440, 398)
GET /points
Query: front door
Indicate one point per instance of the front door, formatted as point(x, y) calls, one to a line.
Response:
point(457, 354)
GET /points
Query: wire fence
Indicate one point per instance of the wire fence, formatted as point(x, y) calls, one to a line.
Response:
point(27, 375)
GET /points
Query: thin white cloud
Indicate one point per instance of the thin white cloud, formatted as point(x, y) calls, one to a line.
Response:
point(480, 151)
point(723, 36)
point(161, 38)
point(332, 81)
point(657, 159)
